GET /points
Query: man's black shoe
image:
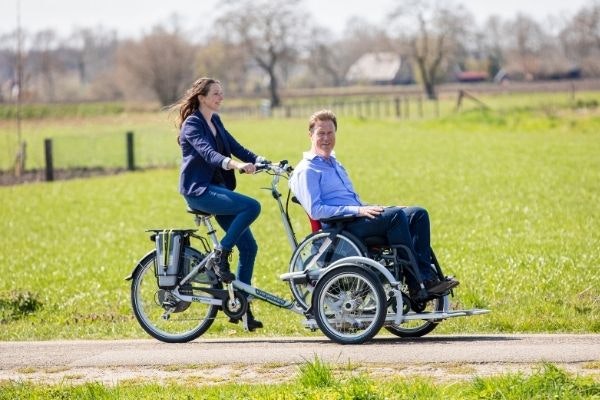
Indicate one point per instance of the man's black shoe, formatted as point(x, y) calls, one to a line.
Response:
point(440, 287)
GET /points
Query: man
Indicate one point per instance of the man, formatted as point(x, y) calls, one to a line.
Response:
point(324, 189)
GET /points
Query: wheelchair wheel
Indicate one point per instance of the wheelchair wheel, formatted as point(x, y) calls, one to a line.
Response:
point(349, 305)
point(187, 321)
point(344, 245)
point(417, 328)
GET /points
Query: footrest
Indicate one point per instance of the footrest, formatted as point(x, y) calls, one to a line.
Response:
point(296, 277)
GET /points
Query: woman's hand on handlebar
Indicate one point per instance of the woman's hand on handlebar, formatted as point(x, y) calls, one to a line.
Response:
point(248, 168)
point(264, 165)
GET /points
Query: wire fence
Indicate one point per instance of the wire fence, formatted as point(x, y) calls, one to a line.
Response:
point(126, 151)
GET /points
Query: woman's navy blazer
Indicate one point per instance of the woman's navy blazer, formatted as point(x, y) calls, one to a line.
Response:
point(200, 155)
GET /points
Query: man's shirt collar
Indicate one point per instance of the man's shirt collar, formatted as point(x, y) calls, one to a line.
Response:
point(309, 155)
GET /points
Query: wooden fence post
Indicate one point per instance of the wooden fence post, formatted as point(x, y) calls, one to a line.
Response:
point(398, 113)
point(20, 159)
point(49, 163)
point(130, 151)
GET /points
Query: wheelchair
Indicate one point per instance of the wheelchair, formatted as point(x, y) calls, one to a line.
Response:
point(325, 246)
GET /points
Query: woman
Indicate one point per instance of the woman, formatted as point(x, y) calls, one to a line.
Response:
point(207, 179)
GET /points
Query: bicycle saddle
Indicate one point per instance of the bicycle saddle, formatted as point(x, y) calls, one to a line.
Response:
point(197, 212)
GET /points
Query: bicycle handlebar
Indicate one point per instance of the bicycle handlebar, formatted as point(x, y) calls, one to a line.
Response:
point(279, 168)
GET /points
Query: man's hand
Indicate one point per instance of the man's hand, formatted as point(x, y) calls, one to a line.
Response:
point(370, 211)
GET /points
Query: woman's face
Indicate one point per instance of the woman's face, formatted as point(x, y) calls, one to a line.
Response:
point(214, 97)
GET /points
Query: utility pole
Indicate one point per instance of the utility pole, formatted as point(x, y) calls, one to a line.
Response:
point(20, 157)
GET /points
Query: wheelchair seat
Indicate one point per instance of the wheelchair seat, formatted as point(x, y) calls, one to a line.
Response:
point(371, 241)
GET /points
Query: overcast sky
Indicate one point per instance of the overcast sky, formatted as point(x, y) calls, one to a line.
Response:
point(134, 17)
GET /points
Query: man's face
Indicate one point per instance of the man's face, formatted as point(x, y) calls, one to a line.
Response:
point(322, 138)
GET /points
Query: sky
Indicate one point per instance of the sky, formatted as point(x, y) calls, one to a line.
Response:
point(131, 18)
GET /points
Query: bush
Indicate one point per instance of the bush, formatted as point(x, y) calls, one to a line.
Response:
point(16, 304)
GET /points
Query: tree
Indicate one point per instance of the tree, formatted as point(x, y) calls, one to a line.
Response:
point(491, 42)
point(433, 31)
point(162, 61)
point(271, 32)
point(360, 37)
point(580, 38)
point(45, 61)
point(225, 61)
point(323, 59)
point(92, 52)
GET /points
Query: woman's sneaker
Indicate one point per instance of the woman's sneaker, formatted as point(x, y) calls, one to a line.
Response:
point(253, 323)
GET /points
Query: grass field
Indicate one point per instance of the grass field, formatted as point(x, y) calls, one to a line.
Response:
point(316, 380)
point(93, 135)
point(513, 195)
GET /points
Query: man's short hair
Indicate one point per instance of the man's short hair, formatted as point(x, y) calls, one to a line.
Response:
point(322, 115)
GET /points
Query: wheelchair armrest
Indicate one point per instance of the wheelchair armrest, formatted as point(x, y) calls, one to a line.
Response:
point(338, 218)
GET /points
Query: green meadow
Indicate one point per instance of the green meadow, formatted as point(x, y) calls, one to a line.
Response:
point(317, 380)
point(513, 194)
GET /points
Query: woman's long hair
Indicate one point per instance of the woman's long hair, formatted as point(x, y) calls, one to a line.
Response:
point(189, 103)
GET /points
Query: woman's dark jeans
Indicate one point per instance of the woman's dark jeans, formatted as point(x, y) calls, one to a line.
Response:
point(234, 212)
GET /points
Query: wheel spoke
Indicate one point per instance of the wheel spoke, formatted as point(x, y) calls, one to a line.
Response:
point(163, 315)
point(349, 305)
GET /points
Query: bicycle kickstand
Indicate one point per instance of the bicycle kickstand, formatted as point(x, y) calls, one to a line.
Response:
point(233, 305)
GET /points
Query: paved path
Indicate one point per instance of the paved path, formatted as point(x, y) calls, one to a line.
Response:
point(130, 357)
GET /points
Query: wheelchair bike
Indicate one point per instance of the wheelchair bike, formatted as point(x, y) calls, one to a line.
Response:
point(347, 289)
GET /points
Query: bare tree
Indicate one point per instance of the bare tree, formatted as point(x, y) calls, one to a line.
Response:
point(491, 44)
point(8, 65)
point(433, 30)
point(269, 31)
point(580, 38)
point(323, 59)
point(45, 61)
point(524, 43)
point(162, 61)
point(225, 60)
point(93, 51)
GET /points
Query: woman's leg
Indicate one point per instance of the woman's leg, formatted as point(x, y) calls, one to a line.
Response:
point(247, 246)
point(219, 200)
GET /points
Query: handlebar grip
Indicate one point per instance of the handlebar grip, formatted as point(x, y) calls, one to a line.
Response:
point(259, 166)
point(266, 164)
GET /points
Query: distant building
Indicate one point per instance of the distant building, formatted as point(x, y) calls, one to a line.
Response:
point(471, 76)
point(383, 68)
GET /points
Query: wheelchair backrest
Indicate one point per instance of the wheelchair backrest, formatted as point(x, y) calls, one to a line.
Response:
point(315, 225)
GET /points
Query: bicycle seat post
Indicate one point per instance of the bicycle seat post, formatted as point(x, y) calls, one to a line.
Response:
point(202, 218)
point(210, 230)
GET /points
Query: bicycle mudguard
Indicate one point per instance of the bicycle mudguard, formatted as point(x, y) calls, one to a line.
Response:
point(151, 253)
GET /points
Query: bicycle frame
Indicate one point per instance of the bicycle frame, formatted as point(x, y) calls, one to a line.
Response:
point(255, 292)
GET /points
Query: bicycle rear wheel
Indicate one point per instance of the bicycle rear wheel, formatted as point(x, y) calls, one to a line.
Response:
point(151, 305)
